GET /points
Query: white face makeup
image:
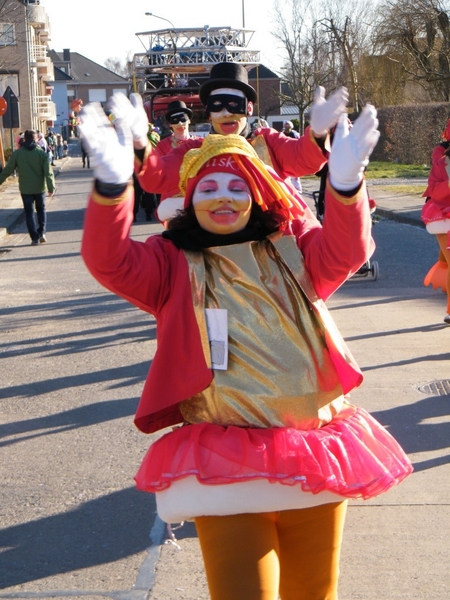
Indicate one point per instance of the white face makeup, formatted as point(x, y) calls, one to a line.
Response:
point(181, 130)
point(226, 123)
point(222, 203)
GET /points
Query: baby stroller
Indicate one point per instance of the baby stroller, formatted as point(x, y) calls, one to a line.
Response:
point(369, 267)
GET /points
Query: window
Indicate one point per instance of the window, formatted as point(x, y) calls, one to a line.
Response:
point(97, 95)
point(7, 35)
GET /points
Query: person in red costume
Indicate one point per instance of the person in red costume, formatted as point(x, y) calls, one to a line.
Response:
point(229, 101)
point(250, 374)
point(178, 116)
point(436, 215)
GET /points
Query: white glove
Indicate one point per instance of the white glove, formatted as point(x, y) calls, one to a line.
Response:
point(110, 147)
point(325, 113)
point(351, 149)
point(133, 111)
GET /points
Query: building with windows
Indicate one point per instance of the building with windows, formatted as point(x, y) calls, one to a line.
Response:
point(78, 77)
point(25, 67)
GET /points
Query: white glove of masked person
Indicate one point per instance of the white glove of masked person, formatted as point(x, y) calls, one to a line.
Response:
point(351, 149)
point(325, 113)
point(110, 147)
point(133, 111)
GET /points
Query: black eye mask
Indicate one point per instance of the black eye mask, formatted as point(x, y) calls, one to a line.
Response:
point(236, 105)
point(174, 119)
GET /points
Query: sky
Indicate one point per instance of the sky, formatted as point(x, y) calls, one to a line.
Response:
point(99, 30)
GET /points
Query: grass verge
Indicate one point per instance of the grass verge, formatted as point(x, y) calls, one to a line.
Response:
point(407, 190)
point(385, 170)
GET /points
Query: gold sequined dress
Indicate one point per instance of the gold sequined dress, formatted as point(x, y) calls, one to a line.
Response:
point(273, 431)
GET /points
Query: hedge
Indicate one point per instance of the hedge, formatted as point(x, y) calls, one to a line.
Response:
point(410, 132)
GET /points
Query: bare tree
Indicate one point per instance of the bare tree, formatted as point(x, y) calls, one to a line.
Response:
point(382, 81)
point(349, 41)
point(122, 68)
point(324, 45)
point(307, 64)
point(416, 35)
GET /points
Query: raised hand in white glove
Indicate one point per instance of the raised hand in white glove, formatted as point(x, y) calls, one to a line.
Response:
point(351, 149)
point(133, 111)
point(325, 113)
point(110, 147)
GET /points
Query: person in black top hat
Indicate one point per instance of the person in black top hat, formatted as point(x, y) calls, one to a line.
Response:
point(178, 117)
point(177, 107)
point(229, 100)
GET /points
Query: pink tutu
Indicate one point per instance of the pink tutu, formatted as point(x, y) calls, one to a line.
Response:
point(435, 211)
point(353, 456)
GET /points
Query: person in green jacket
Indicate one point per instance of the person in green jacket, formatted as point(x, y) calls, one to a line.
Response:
point(36, 178)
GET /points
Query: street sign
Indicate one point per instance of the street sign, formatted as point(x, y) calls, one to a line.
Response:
point(3, 106)
point(11, 117)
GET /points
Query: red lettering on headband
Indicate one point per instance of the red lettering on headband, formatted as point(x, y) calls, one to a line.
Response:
point(223, 161)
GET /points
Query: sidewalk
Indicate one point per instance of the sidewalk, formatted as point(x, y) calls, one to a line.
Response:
point(393, 205)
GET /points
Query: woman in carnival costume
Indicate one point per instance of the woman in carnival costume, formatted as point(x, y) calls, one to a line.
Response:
point(249, 367)
point(436, 215)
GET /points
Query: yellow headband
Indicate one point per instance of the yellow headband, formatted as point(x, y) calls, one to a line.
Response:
point(214, 145)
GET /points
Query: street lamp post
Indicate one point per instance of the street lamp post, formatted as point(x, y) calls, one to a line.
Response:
point(149, 14)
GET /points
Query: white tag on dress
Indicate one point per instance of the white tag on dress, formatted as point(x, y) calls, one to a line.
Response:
point(217, 325)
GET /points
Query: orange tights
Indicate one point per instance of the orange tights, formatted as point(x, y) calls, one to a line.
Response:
point(290, 553)
point(442, 239)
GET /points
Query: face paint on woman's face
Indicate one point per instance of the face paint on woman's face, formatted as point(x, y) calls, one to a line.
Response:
point(225, 122)
point(222, 203)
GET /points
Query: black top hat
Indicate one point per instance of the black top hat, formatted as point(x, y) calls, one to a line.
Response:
point(227, 75)
point(177, 106)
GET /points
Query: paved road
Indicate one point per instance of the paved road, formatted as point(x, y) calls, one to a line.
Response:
point(73, 359)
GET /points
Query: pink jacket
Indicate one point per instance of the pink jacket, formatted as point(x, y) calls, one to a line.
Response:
point(437, 207)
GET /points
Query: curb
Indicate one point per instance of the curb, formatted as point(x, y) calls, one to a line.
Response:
point(399, 217)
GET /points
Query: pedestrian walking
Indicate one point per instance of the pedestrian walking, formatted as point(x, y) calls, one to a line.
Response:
point(36, 179)
point(59, 146)
point(148, 200)
point(436, 213)
point(249, 372)
point(51, 147)
point(289, 131)
point(85, 155)
point(42, 142)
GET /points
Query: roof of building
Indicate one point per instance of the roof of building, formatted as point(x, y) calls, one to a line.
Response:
point(262, 72)
point(61, 75)
point(289, 109)
point(84, 70)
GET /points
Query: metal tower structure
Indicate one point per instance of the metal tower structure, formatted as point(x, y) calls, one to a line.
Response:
point(176, 61)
